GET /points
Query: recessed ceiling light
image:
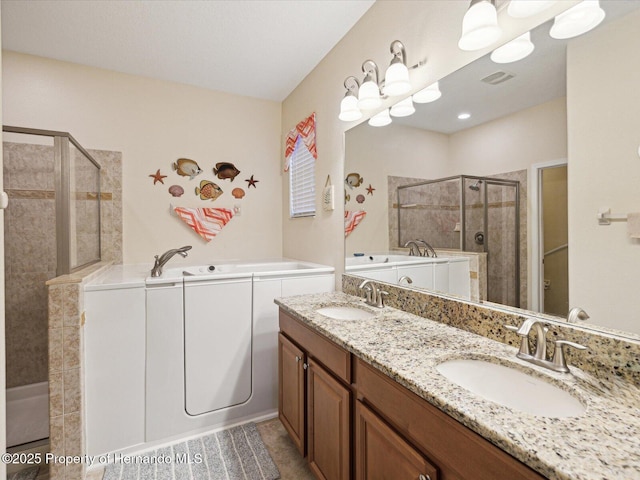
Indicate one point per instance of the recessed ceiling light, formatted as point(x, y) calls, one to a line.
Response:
point(464, 116)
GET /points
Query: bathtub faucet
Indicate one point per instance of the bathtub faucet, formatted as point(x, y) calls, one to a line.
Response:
point(156, 271)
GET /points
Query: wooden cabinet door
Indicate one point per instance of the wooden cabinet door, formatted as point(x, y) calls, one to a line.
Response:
point(382, 454)
point(291, 361)
point(329, 425)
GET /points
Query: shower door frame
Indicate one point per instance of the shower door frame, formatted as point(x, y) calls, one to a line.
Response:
point(463, 237)
point(62, 169)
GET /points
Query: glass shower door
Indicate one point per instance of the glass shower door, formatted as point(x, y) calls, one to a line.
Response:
point(502, 241)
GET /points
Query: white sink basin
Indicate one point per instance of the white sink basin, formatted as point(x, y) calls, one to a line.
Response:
point(512, 388)
point(345, 313)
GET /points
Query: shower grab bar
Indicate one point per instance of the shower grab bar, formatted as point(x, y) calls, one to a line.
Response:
point(557, 249)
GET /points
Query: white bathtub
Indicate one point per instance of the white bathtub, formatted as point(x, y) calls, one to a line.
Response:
point(27, 413)
point(192, 350)
point(442, 274)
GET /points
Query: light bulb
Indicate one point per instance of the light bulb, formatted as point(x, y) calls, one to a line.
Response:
point(403, 108)
point(396, 80)
point(369, 96)
point(479, 26)
point(380, 119)
point(579, 19)
point(349, 110)
point(515, 50)
point(429, 94)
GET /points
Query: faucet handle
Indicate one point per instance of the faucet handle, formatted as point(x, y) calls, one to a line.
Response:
point(380, 299)
point(524, 339)
point(559, 360)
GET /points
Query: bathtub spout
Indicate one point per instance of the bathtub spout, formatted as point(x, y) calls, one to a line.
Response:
point(161, 260)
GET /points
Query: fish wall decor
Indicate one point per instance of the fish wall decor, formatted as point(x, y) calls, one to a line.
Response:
point(186, 168)
point(208, 190)
point(226, 170)
point(353, 180)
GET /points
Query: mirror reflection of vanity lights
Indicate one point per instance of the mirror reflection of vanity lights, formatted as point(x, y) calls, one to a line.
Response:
point(563, 101)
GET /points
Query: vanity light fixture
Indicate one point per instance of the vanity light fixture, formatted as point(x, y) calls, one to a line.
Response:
point(527, 8)
point(396, 78)
point(479, 26)
point(515, 50)
point(579, 19)
point(464, 116)
point(403, 108)
point(349, 110)
point(429, 94)
point(380, 119)
point(369, 94)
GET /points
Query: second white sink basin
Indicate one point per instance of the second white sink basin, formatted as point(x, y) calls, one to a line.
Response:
point(345, 313)
point(512, 388)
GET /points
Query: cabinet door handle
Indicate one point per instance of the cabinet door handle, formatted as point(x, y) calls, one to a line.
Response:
point(297, 358)
point(305, 365)
point(424, 477)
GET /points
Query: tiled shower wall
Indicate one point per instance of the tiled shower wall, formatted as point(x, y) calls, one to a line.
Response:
point(434, 209)
point(30, 258)
point(30, 249)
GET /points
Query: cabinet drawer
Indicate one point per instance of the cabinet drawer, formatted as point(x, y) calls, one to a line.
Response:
point(383, 454)
point(457, 450)
point(335, 358)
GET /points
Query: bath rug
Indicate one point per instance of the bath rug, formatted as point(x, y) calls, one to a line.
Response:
point(237, 453)
point(26, 474)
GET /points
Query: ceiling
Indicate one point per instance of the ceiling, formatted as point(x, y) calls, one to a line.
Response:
point(257, 48)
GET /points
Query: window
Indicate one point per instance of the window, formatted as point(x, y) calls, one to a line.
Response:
point(302, 182)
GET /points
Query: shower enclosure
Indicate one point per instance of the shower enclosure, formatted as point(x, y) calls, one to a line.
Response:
point(51, 228)
point(472, 214)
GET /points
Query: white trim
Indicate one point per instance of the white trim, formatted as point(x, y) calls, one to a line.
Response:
point(535, 283)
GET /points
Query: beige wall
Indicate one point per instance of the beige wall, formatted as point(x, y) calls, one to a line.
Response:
point(153, 123)
point(429, 30)
point(603, 76)
point(376, 153)
point(513, 142)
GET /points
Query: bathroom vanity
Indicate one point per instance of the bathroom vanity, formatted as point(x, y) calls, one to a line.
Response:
point(362, 397)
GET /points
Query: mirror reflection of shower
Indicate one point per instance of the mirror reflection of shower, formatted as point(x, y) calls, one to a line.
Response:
point(472, 214)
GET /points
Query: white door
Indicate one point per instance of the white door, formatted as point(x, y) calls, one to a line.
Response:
point(217, 344)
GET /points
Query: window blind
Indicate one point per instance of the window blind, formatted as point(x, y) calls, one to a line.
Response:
point(302, 182)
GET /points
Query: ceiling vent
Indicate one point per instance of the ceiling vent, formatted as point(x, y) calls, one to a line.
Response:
point(497, 78)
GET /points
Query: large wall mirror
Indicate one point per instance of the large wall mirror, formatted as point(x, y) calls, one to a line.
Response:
point(513, 182)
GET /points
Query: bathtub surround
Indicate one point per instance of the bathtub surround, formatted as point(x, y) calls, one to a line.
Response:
point(235, 454)
point(609, 357)
point(66, 392)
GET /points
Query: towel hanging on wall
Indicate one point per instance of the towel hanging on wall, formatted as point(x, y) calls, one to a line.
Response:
point(206, 222)
point(352, 220)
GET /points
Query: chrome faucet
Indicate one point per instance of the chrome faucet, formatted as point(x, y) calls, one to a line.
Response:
point(372, 294)
point(558, 362)
point(427, 249)
point(414, 249)
point(156, 271)
point(575, 314)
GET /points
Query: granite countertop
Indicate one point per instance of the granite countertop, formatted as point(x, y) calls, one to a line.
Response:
point(602, 443)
